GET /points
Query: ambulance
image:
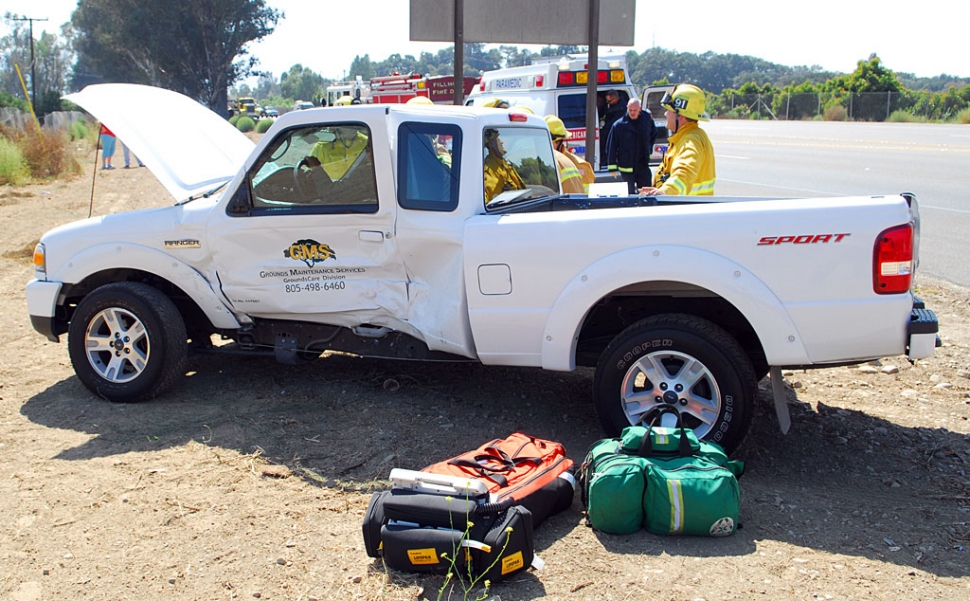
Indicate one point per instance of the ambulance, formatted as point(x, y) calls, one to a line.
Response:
point(557, 86)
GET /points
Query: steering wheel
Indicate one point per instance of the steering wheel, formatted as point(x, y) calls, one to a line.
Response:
point(307, 180)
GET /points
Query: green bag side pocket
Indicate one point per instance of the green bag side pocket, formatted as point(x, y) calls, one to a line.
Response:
point(616, 488)
point(691, 495)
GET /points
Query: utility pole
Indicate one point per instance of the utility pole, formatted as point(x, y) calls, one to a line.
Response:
point(33, 70)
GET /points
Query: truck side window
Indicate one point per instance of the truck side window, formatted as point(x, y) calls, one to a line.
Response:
point(518, 165)
point(426, 154)
point(325, 168)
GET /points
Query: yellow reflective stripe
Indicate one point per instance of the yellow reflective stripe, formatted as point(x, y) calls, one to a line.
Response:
point(611, 167)
point(676, 493)
point(677, 185)
point(703, 188)
point(569, 173)
point(626, 169)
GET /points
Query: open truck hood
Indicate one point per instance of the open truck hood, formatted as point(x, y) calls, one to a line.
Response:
point(189, 148)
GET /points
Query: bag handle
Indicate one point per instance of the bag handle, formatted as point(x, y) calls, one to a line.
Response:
point(646, 444)
point(506, 464)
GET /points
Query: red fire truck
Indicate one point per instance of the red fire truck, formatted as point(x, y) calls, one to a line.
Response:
point(398, 88)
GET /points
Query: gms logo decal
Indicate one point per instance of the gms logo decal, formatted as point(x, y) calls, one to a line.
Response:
point(310, 252)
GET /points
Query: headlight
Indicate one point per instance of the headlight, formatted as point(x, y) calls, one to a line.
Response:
point(40, 262)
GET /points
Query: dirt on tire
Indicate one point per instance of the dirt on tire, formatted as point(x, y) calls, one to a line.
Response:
point(248, 479)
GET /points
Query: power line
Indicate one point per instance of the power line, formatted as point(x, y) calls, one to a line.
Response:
point(33, 70)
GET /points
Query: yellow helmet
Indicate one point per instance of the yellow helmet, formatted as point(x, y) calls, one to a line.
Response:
point(343, 101)
point(419, 100)
point(522, 109)
point(557, 128)
point(496, 103)
point(688, 101)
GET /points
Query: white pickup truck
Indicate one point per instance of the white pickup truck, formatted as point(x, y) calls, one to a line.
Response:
point(366, 230)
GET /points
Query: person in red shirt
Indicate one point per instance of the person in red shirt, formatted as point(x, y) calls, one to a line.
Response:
point(107, 147)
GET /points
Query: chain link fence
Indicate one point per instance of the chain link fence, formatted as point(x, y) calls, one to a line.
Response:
point(840, 106)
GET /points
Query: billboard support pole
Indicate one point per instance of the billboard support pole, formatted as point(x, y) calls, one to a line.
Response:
point(592, 70)
point(459, 96)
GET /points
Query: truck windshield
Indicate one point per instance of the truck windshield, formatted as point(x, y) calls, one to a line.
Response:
point(518, 165)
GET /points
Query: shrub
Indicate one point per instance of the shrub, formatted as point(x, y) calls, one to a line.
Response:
point(234, 120)
point(963, 116)
point(47, 155)
point(245, 124)
point(901, 116)
point(13, 166)
point(835, 112)
point(80, 130)
point(262, 125)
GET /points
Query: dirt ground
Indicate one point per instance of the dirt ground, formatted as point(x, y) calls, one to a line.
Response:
point(250, 478)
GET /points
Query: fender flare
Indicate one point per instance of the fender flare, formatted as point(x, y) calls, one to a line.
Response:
point(124, 255)
point(757, 303)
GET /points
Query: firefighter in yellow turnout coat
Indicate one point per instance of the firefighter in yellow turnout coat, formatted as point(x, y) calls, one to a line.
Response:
point(575, 174)
point(339, 155)
point(500, 175)
point(688, 165)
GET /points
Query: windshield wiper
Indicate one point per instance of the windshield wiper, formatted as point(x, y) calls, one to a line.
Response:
point(204, 194)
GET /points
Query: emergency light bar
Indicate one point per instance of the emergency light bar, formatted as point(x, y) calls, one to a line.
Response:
point(580, 78)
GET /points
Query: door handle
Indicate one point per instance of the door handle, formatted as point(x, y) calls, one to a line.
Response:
point(370, 236)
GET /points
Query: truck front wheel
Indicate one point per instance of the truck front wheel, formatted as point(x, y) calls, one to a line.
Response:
point(127, 342)
point(678, 361)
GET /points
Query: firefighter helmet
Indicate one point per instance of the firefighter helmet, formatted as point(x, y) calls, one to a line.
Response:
point(557, 128)
point(419, 100)
point(522, 110)
point(688, 101)
point(496, 103)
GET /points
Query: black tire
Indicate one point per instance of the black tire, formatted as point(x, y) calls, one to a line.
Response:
point(684, 361)
point(127, 342)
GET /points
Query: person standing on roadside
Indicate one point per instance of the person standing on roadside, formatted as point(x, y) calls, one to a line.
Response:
point(688, 165)
point(612, 112)
point(107, 147)
point(628, 146)
point(127, 153)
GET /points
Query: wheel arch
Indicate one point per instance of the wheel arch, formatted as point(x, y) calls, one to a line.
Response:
point(107, 263)
point(668, 278)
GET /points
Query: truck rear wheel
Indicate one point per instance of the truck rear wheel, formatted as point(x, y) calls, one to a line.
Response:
point(127, 342)
point(678, 361)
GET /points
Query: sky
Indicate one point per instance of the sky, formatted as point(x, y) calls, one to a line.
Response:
point(926, 40)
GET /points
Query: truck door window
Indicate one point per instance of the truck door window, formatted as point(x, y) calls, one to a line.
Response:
point(518, 165)
point(326, 168)
point(426, 154)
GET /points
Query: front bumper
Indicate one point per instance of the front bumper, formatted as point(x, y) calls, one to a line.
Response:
point(42, 306)
point(922, 330)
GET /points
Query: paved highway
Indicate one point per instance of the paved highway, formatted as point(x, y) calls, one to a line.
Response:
point(808, 158)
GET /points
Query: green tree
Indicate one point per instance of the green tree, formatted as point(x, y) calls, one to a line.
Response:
point(362, 66)
point(196, 47)
point(871, 76)
point(301, 84)
point(53, 56)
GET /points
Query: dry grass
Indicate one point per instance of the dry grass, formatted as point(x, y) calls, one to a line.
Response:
point(48, 155)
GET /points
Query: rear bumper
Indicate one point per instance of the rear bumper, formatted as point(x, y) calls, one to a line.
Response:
point(922, 330)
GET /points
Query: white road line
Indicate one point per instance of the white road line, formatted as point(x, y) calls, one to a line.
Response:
point(925, 206)
point(763, 185)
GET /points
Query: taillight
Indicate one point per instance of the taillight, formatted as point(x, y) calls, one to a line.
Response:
point(892, 260)
point(517, 116)
point(567, 78)
point(539, 80)
point(481, 84)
